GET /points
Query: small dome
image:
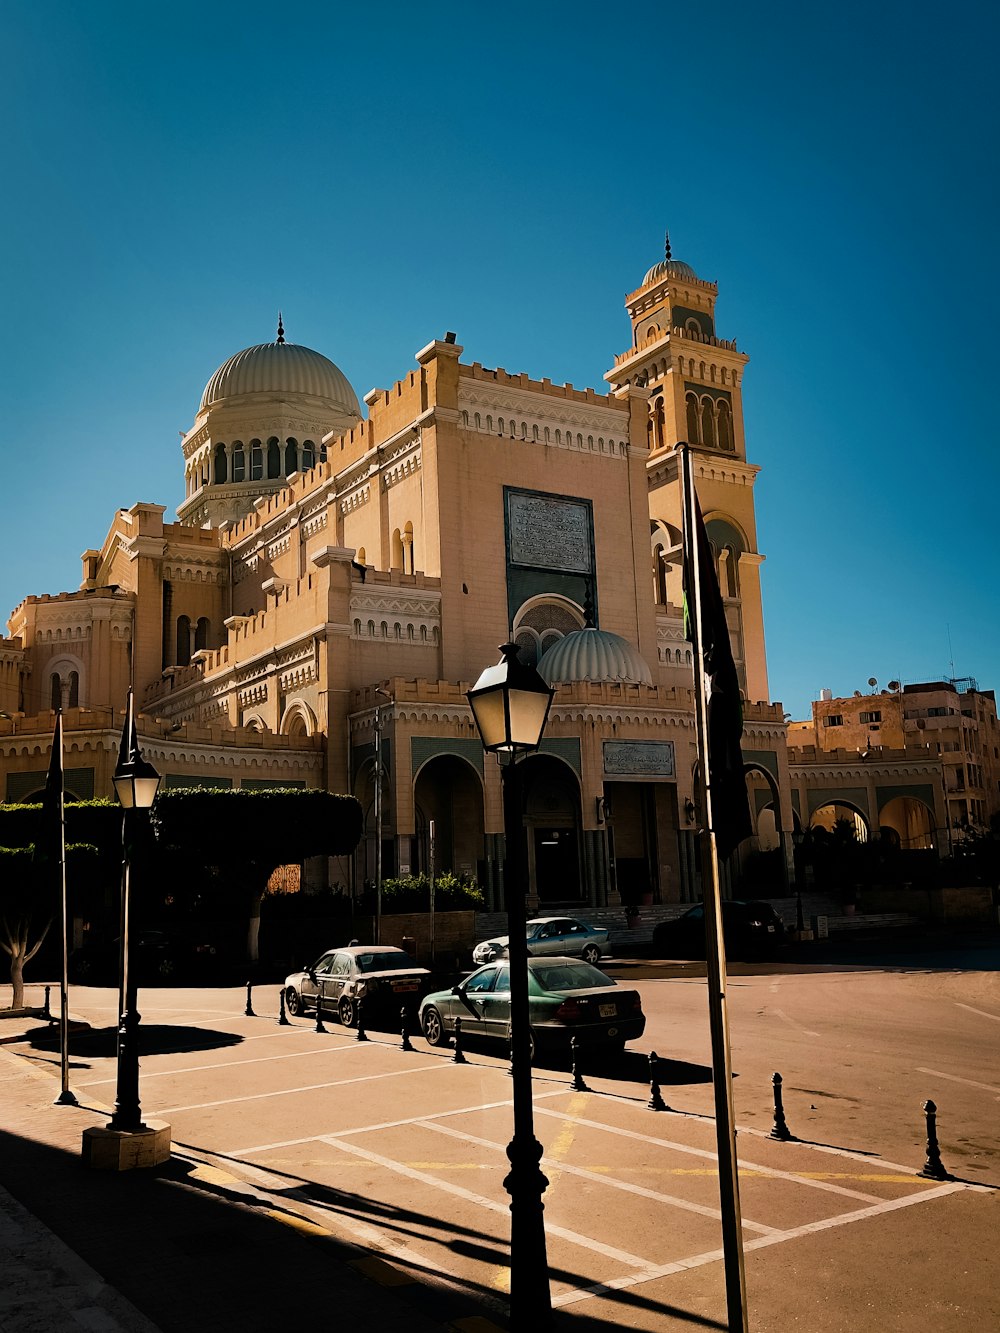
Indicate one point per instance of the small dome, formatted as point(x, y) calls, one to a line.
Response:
point(669, 268)
point(281, 367)
point(593, 654)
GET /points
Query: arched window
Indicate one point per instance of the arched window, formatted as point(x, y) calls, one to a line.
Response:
point(74, 689)
point(273, 458)
point(221, 470)
point(694, 434)
point(202, 632)
point(725, 426)
point(55, 700)
point(371, 629)
point(291, 456)
point(397, 550)
point(322, 453)
point(423, 633)
point(660, 433)
point(239, 461)
point(708, 423)
point(256, 460)
point(308, 454)
point(183, 641)
point(408, 566)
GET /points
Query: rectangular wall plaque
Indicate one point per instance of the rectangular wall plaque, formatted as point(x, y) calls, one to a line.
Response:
point(549, 532)
point(639, 759)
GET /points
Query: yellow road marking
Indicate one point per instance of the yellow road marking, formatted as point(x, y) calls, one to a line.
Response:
point(298, 1223)
point(746, 1173)
point(386, 1275)
point(211, 1175)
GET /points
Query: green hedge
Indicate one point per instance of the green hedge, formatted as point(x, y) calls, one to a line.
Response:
point(412, 893)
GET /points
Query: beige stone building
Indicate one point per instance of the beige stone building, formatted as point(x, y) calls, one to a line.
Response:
point(334, 581)
point(920, 759)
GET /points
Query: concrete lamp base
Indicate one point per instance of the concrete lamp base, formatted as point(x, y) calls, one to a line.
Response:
point(123, 1150)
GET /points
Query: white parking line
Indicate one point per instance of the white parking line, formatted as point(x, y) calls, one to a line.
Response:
point(228, 1064)
point(609, 1182)
point(711, 1256)
point(290, 1092)
point(954, 1078)
point(711, 1156)
point(586, 1242)
point(981, 1012)
point(259, 1148)
point(780, 1013)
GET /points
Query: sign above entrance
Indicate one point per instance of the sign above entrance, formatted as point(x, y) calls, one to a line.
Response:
point(645, 759)
point(549, 532)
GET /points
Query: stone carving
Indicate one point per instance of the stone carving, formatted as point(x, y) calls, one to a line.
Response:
point(639, 758)
point(549, 533)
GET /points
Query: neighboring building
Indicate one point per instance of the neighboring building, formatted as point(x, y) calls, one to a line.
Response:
point(937, 745)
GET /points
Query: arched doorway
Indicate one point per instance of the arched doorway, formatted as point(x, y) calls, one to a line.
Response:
point(552, 820)
point(449, 791)
point(845, 822)
point(912, 821)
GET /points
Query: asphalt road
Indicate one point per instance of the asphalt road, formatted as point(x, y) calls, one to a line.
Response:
point(402, 1153)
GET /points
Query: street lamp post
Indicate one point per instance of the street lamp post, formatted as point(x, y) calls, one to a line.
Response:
point(127, 1141)
point(136, 783)
point(510, 704)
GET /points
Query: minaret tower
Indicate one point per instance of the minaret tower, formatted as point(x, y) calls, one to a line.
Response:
point(694, 382)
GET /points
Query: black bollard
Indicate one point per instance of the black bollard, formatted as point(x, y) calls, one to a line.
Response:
point(656, 1102)
point(933, 1167)
point(404, 1021)
point(249, 1009)
point(362, 1034)
point(510, 1047)
point(459, 1057)
point(282, 1016)
point(578, 1084)
point(779, 1130)
point(319, 1016)
point(47, 1012)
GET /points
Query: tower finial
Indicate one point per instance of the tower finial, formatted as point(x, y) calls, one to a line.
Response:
point(281, 329)
point(666, 246)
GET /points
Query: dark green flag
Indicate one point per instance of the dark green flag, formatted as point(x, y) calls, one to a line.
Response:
point(726, 776)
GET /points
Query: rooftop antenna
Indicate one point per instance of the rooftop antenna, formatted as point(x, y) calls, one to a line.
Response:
point(951, 653)
point(281, 329)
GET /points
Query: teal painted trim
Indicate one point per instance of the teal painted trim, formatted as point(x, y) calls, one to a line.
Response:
point(764, 759)
point(680, 314)
point(264, 784)
point(424, 748)
point(707, 391)
point(176, 781)
point(78, 784)
point(856, 796)
point(920, 791)
point(566, 748)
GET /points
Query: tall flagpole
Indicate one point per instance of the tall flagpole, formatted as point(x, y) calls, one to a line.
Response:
point(66, 1097)
point(722, 1064)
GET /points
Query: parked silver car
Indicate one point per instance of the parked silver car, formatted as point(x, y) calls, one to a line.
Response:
point(386, 978)
point(551, 935)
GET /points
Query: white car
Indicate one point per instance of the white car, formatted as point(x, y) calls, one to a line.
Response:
point(551, 935)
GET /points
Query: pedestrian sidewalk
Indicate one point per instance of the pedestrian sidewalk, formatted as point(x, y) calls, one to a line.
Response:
point(177, 1249)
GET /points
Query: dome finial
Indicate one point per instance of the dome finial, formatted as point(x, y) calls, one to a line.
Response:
point(281, 329)
point(666, 246)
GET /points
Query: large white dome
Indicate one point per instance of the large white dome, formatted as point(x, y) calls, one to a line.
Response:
point(283, 368)
point(593, 654)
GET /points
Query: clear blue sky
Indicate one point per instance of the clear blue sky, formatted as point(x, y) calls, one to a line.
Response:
point(173, 174)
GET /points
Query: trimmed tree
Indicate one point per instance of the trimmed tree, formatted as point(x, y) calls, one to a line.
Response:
point(247, 835)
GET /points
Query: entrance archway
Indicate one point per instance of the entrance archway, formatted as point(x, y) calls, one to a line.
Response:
point(553, 821)
point(911, 820)
point(448, 791)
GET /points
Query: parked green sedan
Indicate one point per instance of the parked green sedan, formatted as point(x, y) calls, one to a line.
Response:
point(566, 998)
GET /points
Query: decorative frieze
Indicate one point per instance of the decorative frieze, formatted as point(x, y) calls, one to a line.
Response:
point(523, 415)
